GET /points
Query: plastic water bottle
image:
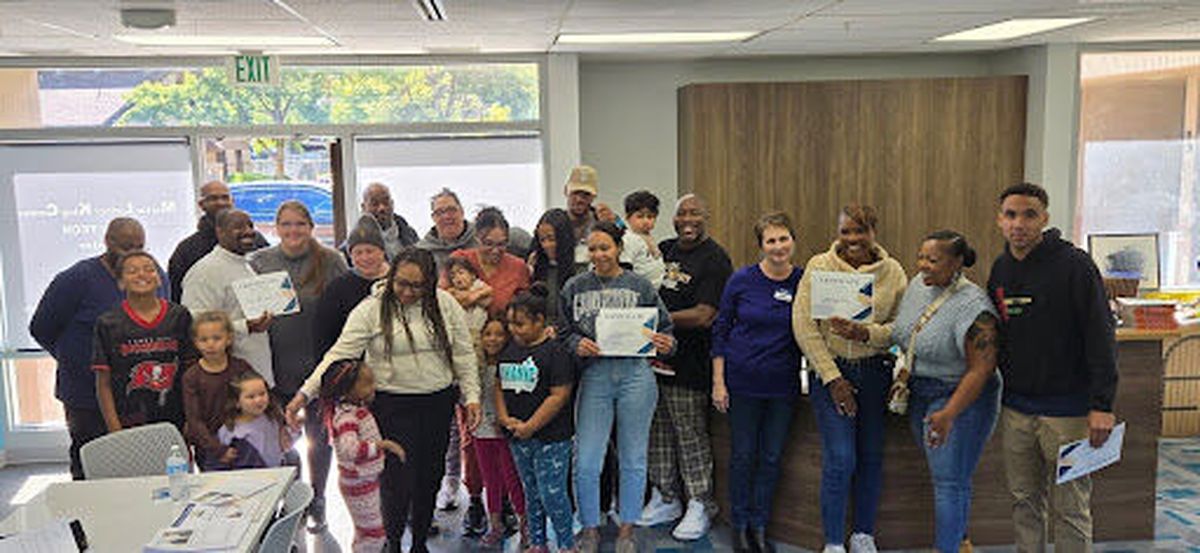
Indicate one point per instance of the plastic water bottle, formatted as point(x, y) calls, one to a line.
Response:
point(177, 471)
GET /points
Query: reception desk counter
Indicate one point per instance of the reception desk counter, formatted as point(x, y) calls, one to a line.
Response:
point(1122, 500)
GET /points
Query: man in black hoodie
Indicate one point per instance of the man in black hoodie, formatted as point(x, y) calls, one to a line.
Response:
point(214, 197)
point(1058, 358)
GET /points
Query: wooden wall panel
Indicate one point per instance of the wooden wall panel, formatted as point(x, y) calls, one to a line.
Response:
point(927, 153)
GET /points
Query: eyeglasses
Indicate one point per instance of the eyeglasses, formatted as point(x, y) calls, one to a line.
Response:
point(408, 284)
point(448, 210)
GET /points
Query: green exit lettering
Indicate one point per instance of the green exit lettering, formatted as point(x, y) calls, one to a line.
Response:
point(252, 69)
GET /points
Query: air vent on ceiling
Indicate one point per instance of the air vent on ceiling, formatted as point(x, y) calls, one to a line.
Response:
point(431, 10)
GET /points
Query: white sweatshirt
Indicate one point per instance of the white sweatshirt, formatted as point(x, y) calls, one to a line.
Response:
point(206, 287)
point(413, 368)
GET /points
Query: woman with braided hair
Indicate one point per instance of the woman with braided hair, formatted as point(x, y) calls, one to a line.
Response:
point(415, 339)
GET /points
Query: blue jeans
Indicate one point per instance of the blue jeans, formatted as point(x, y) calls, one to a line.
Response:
point(852, 447)
point(952, 464)
point(543, 467)
point(625, 388)
point(759, 427)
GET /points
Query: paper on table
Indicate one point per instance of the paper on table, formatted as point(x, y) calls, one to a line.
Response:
point(849, 296)
point(203, 528)
point(268, 292)
point(54, 538)
point(231, 487)
point(226, 492)
point(626, 332)
point(1079, 458)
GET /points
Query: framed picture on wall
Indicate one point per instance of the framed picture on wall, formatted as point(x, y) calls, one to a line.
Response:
point(1127, 256)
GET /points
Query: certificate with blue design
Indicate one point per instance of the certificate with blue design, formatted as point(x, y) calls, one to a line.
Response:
point(626, 332)
point(1079, 458)
point(849, 296)
point(268, 292)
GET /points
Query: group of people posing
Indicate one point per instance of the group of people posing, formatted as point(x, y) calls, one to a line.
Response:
point(470, 356)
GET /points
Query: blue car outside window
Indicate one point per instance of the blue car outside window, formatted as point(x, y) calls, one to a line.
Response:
point(261, 199)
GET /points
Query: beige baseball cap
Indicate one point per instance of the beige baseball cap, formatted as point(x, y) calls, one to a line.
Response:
point(583, 179)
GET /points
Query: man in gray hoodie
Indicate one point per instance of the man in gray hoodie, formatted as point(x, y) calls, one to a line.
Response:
point(452, 231)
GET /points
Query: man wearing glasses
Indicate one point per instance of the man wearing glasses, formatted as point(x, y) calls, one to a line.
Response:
point(214, 196)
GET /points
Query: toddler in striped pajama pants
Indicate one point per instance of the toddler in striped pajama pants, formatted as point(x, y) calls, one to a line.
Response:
point(347, 388)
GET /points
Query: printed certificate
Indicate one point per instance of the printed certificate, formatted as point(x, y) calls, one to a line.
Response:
point(1079, 458)
point(269, 292)
point(626, 332)
point(850, 296)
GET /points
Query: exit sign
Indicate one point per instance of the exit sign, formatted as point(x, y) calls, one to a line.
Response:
point(254, 70)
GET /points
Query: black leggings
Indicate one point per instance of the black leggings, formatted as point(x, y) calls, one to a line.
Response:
point(409, 419)
point(320, 454)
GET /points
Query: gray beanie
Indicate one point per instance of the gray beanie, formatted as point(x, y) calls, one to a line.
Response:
point(366, 232)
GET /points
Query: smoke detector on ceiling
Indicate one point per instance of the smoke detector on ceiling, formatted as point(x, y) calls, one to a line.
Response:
point(148, 18)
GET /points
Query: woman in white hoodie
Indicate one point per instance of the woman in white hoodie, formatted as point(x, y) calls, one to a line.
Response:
point(414, 336)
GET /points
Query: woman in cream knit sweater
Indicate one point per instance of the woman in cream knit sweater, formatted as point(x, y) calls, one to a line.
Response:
point(849, 391)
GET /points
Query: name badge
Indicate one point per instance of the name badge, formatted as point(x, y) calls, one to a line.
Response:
point(783, 295)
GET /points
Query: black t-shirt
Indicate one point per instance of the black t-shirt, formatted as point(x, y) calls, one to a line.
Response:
point(693, 277)
point(526, 376)
point(146, 360)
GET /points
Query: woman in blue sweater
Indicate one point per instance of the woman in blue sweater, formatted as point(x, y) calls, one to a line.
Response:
point(756, 366)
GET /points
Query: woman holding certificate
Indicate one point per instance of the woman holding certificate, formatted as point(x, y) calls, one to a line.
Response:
point(615, 322)
point(756, 366)
point(947, 327)
point(311, 267)
point(854, 279)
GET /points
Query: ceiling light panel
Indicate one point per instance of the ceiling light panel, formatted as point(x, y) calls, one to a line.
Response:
point(676, 10)
point(234, 41)
point(656, 37)
point(1013, 28)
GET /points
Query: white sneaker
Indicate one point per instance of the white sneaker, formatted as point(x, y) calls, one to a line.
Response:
point(447, 497)
point(694, 524)
point(862, 543)
point(658, 511)
point(833, 548)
